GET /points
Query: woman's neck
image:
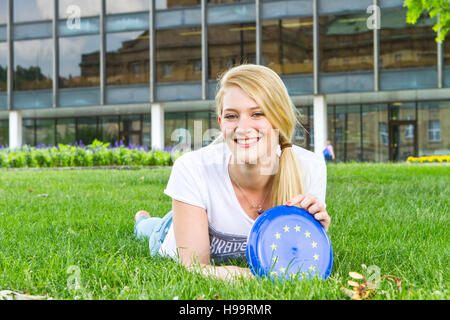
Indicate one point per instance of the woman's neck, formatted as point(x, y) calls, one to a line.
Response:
point(252, 177)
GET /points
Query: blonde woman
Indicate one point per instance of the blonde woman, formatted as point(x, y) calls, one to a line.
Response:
point(220, 190)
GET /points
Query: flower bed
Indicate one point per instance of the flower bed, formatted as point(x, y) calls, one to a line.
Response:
point(428, 159)
point(79, 155)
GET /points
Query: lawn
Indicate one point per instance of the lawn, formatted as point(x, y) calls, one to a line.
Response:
point(68, 234)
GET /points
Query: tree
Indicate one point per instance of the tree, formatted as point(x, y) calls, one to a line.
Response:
point(435, 8)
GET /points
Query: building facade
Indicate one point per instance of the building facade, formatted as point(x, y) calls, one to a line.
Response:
point(145, 72)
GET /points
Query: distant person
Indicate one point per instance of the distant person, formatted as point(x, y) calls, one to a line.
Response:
point(328, 152)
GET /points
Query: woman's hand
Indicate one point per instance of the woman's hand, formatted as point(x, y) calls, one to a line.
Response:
point(311, 204)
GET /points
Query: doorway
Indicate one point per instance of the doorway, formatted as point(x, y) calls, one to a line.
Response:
point(402, 139)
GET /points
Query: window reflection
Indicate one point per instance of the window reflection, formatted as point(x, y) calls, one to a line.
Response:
point(28, 132)
point(346, 44)
point(114, 6)
point(226, 1)
point(404, 45)
point(375, 133)
point(3, 65)
point(65, 131)
point(45, 132)
point(347, 133)
point(130, 127)
point(86, 130)
point(147, 130)
point(87, 8)
point(171, 4)
point(32, 10)
point(433, 128)
point(79, 61)
point(178, 54)
point(127, 57)
point(447, 52)
point(198, 124)
point(175, 132)
point(287, 45)
point(3, 11)
point(109, 129)
point(230, 45)
point(4, 133)
point(33, 64)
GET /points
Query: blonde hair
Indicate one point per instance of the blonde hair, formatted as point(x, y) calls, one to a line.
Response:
point(263, 85)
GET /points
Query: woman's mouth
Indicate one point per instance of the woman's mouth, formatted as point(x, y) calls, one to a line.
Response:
point(247, 142)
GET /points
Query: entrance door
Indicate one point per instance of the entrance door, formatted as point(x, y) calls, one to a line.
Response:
point(402, 139)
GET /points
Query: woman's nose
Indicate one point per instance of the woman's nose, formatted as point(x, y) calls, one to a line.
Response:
point(244, 122)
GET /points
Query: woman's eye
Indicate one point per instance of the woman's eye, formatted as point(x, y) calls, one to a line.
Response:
point(229, 116)
point(259, 114)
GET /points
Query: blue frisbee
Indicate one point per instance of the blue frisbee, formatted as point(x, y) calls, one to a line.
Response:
point(287, 242)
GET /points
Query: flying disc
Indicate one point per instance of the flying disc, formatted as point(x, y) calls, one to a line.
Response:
point(287, 242)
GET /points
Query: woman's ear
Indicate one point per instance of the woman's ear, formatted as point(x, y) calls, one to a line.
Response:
point(220, 122)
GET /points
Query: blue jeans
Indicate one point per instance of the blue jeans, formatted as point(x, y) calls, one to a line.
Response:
point(154, 229)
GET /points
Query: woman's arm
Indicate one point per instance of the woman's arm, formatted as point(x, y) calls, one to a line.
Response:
point(192, 238)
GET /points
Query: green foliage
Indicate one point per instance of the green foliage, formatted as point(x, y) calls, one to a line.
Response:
point(95, 154)
point(434, 8)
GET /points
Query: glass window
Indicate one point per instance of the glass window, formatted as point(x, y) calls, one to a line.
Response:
point(404, 45)
point(222, 1)
point(130, 129)
point(433, 128)
point(33, 10)
point(109, 129)
point(4, 133)
point(127, 57)
point(33, 64)
point(302, 136)
point(375, 133)
point(147, 130)
point(45, 132)
point(447, 52)
point(178, 54)
point(346, 133)
point(3, 65)
point(171, 4)
point(114, 6)
point(82, 8)
point(65, 131)
point(447, 62)
point(346, 44)
point(402, 111)
point(198, 124)
point(287, 45)
point(175, 131)
point(28, 132)
point(86, 130)
point(3, 11)
point(434, 131)
point(230, 45)
point(79, 61)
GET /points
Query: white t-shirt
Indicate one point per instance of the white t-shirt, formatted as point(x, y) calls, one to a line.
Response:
point(201, 178)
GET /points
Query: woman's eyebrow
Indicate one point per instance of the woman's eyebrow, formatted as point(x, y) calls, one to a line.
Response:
point(231, 109)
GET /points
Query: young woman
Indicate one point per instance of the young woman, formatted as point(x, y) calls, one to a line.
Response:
point(220, 190)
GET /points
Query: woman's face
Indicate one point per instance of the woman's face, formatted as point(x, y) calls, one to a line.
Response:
point(247, 132)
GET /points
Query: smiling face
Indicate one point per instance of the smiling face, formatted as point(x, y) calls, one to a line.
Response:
point(246, 130)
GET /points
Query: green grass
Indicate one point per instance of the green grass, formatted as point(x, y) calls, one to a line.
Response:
point(395, 217)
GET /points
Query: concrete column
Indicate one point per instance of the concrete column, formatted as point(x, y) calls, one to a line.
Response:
point(157, 126)
point(15, 129)
point(320, 123)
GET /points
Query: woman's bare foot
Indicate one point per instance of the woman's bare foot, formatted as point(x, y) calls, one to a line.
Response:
point(141, 213)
